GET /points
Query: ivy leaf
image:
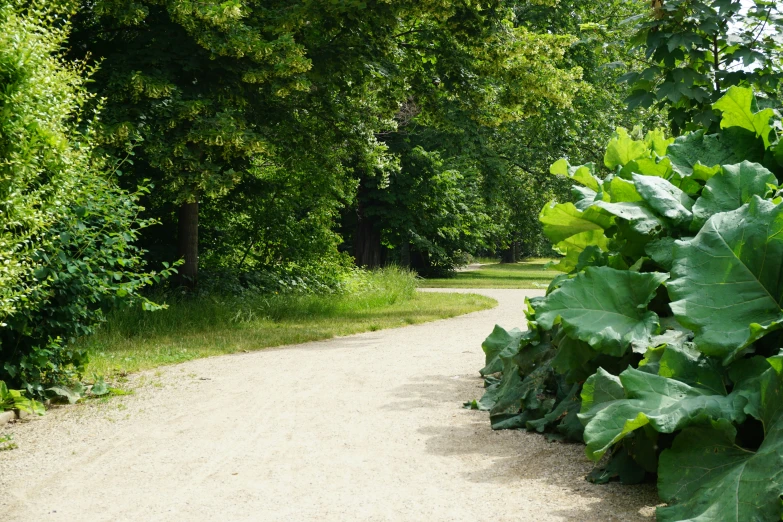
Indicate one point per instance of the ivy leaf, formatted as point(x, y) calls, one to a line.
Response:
point(728, 190)
point(737, 109)
point(726, 283)
point(604, 307)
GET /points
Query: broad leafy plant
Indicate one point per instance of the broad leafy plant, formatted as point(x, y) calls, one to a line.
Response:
point(15, 400)
point(659, 344)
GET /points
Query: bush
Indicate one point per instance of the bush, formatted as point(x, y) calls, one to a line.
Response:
point(659, 346)
point(66, 231)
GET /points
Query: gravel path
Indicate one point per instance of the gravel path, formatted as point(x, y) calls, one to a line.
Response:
point(361, 428)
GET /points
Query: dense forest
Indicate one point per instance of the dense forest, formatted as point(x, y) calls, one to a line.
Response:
point(295, 137)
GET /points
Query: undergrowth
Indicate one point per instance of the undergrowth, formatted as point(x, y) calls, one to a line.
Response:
point(133, 340)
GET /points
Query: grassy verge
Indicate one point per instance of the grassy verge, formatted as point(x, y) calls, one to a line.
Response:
point(134, 340)
point(525, 274)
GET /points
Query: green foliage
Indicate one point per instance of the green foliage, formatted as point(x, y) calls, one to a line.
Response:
point(15, 400)
point(66, 230)
point(276, 117)
point(661, 338)
point(519, 154)
point(693, 50)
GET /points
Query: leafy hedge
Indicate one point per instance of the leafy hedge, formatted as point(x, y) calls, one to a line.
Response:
point(67, 231)
point(659, 346)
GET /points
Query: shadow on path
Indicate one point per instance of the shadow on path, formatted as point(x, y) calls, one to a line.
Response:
point(515, 458)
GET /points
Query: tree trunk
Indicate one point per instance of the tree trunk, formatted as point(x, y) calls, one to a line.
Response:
point(187, 243)
point(511, 254)
point(405, 254)
point(368, 250)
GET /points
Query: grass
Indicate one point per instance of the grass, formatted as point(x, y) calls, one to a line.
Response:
point(525, 274)
point(133, 340)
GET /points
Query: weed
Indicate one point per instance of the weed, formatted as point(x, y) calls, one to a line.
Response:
point(7, 442)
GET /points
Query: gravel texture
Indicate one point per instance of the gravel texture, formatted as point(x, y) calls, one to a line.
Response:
point(361, 428)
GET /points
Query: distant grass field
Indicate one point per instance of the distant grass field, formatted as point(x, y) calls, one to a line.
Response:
point(525, 274)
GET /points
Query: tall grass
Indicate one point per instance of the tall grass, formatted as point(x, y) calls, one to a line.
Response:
point(132, 340)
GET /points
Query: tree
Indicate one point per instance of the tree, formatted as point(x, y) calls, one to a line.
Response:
point(693, 50)
point(187, 83)
point(209, 89)
point(518, 155)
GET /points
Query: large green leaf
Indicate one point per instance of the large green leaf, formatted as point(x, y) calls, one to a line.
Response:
point(623, 149)
point(637, 214)
point(661, 251)
point(707, 475)
point(665, 404)
point(737, 108)
point(681, 361)
point(572, 247)
point(726, 283)
point(523, 384)
point(500, 344)
point(657, 141)
point(599, 390)
point(648, 167)
point(604, 307)
point(572, 356)
point(663, 197)
point(563, 220)
point(731, 188)
point(583, 174)
point(583, 196)
point(621, 190)
point(697, 148)
point(563, 417)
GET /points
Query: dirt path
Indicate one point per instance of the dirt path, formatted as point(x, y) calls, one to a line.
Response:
point(360, 428)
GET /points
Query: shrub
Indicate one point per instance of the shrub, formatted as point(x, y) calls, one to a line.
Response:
point(659, 346)
point(66, 230)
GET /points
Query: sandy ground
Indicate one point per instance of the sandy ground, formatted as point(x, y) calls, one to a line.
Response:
point(367, 428)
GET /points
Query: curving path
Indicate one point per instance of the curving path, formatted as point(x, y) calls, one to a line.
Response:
point(361, 428)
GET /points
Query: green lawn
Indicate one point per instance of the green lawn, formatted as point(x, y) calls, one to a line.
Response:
point(525, 274)
point(134, 340)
